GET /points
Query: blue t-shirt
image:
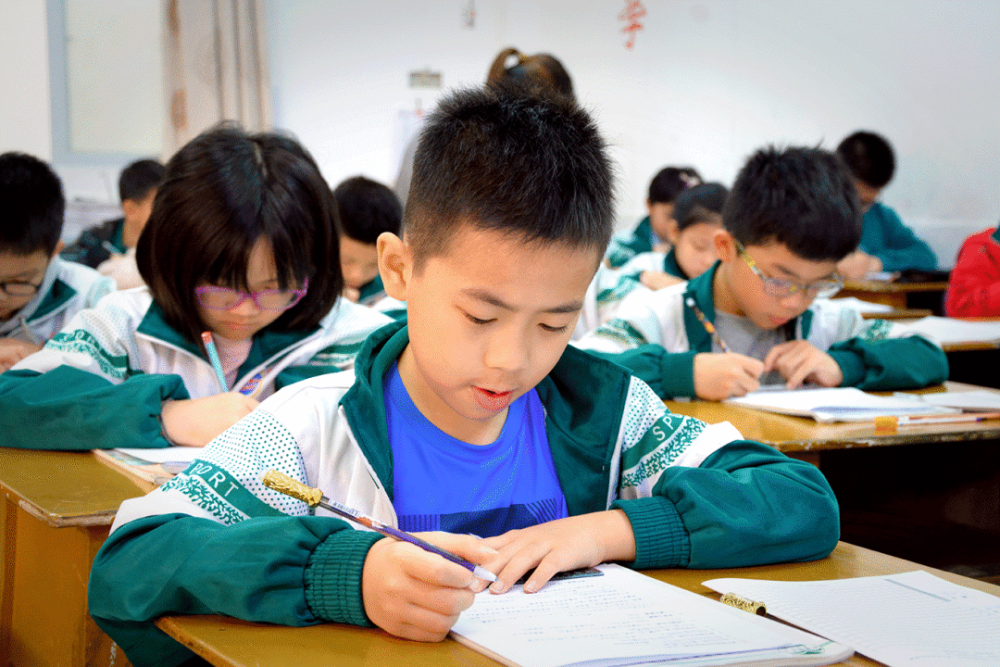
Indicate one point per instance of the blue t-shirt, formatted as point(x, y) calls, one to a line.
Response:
point(442, 483)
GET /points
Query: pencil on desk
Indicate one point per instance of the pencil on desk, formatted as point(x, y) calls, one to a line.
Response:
point(709, 327)
point(213, 356)
point(948, 419)
point(311, 496)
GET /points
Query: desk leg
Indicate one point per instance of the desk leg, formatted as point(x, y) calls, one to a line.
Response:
point(51, 625)
point(8, 531)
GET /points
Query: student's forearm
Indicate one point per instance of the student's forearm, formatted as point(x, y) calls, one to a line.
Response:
point(747, 504)
point(910, 362)
point(70, 409)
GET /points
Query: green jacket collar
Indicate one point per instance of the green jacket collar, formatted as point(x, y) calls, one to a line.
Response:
point(55, 298)
point(671, 266)
point(584, 399)
point(700, 289)
point(371, 288)
point(266, 344)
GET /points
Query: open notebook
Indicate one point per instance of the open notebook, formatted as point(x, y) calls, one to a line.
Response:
point(627, 618)
point(833, 404)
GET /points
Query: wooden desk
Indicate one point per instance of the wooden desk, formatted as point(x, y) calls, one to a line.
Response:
point(896, 294)
point(57, 510)
point(227, 642)
point(802, 437)
point(899, 314)
point(928, 493)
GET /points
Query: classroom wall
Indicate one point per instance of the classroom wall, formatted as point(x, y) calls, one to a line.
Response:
point(706, 82)
point(25, 112)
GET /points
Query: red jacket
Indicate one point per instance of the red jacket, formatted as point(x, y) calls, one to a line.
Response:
point(974, 286)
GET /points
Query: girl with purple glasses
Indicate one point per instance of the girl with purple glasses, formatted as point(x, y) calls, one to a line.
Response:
point(241, 243)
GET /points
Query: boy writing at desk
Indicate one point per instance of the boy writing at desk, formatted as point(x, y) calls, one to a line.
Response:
point(475, 418)
point(755, 318)
point(39, 291)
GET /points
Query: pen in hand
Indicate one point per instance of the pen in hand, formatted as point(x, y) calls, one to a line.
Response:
point(312, 497)
point(709, 327)
point(213, 356)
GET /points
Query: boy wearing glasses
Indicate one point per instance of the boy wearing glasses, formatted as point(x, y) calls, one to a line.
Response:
point(760, 315)
point(39, 291)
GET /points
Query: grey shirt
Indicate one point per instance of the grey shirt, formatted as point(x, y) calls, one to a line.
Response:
point(744, 337)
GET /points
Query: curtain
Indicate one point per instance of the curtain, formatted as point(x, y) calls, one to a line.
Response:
point(216, 67)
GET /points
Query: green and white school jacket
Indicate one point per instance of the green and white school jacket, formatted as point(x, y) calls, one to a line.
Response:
point(656, 336)
point(605, 294)
point(215, 540)
point(66, 289)
point(101, 381)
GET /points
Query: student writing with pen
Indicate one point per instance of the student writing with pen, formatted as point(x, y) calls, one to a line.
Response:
point(790, 217)
point(474, 418)
point(238, 244)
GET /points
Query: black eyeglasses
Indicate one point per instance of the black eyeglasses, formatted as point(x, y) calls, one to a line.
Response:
point(781, 287)
point(17, 288)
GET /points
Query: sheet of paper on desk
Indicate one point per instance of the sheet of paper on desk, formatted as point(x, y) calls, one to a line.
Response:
point(627, 618)
point(833, 404)
point(863, 306)
point(904, 620)
point(949, 330)
point(979, 400)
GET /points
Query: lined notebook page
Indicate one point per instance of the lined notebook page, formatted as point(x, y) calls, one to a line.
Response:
point(627, 618)
point(904, 620)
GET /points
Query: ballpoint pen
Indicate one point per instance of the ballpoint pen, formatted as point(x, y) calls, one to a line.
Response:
point(312, 497)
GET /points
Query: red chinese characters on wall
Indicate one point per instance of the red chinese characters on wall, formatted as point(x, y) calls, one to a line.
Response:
point(633, 12)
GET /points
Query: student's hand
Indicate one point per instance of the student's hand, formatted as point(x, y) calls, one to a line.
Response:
point(414, 594)
point(857, 265)
point(800, 361)
point(12, 351)
point(351, 293)
point(720, 376)
point(655, 280)
point(194, 422)
point(565, 544)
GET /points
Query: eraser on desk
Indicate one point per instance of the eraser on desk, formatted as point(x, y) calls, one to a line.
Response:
point(886, 425)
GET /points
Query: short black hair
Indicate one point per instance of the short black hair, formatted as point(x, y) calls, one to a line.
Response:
point(499, 158)
point(869, 157)
point(138, 178)
point(700, 203)
point(32, 205)
point(222, 192)
point(670, 182)
point(800, 197)
point(367, 208)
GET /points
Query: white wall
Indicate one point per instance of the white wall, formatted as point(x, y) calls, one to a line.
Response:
point(707, 82)
point(25, 113)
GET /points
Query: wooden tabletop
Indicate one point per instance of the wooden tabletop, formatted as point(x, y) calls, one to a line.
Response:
point(801, 434)
point(227, 642)
point(889, 287)
point(63, 488)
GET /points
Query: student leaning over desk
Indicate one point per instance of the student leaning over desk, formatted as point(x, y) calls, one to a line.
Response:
point(39, 292)
point(557, 459)
point(241, 242)
point(792, 214)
